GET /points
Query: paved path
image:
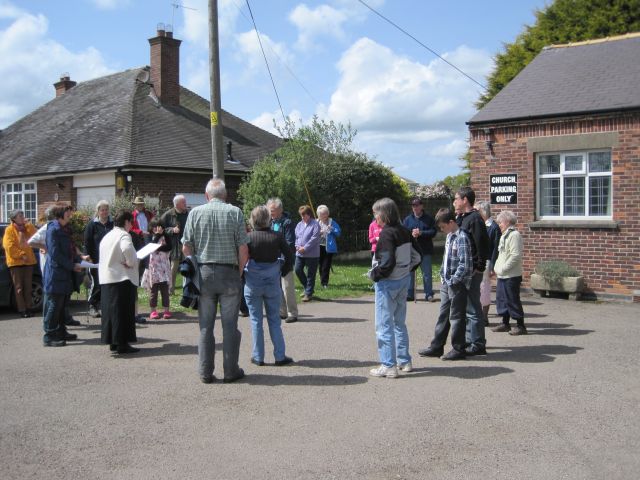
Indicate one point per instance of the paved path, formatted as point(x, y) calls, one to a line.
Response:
point(561, 402)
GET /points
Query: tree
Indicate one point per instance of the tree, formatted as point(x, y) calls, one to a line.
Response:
point(317, 165)
point(563, 21)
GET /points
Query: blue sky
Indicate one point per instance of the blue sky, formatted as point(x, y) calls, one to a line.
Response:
point(408, 106)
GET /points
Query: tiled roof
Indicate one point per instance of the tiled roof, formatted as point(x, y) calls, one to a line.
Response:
point(113, 122)
point(588, 77)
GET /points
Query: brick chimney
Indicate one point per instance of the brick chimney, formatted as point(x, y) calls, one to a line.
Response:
point(64, 84)
point(165, 66)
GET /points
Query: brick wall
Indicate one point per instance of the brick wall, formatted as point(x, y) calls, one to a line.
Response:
point(608, 259)
point(166, 185)
point(48, 189)
point(154, 184)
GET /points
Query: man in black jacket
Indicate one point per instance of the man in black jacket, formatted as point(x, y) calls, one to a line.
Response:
point(469, 219)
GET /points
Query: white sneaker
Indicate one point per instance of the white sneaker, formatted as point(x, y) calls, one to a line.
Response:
point(407, 367)
point(382, 371)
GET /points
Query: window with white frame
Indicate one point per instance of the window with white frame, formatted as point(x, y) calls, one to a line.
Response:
point(19, 196)
point(574, 184)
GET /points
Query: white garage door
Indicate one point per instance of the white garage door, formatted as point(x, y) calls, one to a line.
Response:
point(89, 196)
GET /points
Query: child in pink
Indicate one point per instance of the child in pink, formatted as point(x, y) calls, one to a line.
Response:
point(157, 276)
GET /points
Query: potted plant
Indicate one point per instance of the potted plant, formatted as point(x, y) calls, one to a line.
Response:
point(557, 276)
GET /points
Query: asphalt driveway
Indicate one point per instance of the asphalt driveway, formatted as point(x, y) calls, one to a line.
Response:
point(561, 402)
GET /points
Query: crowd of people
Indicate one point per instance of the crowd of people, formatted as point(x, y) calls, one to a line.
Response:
point(231, 264)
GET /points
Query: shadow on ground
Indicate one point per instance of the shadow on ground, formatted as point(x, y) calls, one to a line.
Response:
point(303, 380)
point(528, 354)
point(465, 372)
point(335, 363)
point(331, 320)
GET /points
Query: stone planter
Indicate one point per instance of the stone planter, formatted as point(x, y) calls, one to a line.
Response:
point(570, 285)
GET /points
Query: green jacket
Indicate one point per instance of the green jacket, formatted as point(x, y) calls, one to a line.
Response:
point(509, 262)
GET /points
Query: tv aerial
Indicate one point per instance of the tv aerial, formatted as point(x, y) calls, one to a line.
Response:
point(177, 6)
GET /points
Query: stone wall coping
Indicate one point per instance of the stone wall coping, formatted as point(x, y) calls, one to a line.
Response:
point(589, 224)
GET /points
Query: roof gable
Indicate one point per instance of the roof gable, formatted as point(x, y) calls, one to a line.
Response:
point(590, 77)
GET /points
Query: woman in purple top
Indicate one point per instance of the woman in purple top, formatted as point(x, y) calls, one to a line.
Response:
point(307, 251)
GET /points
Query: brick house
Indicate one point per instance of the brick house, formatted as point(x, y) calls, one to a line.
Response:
point(136, 130)
point(560, 146)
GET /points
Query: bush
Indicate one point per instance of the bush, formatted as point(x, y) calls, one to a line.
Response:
point(554, 270)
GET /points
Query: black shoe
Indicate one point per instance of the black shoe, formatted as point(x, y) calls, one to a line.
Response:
point(54, 343)
point(244, 314)
point(235, 378)
point(472, 351)
point(121, 349)
point(25, 314)
point(207, 379)
point(518, 330)
point(257, 362)
point(431, 352)
point(284, 361)
point(94, 312)
point(283, 317)
point(141, 319)
point(72, 322)
point(454, 355)
point(291, 319)
point(113, 348)
point(410, 299)
point(70, 336)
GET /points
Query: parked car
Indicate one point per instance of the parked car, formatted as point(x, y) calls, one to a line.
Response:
point(7, 297)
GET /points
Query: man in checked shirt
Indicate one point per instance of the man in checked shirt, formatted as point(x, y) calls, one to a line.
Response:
point(455, 273)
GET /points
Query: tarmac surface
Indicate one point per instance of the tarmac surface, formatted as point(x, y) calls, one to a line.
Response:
point(559, 403)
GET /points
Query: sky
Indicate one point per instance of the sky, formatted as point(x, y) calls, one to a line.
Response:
point(332, 58)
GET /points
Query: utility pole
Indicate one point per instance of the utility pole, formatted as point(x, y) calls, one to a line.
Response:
point(216, 107)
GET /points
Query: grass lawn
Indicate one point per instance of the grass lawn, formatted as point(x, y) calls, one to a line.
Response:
point(347, 280)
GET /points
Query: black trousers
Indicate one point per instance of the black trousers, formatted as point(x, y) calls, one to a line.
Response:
point(508, 302)
point(325, 265)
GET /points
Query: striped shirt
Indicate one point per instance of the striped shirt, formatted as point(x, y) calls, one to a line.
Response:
point(457, 265)
point(214, 232)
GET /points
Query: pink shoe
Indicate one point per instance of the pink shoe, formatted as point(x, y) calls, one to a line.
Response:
point(166, 315)
point(154, 315)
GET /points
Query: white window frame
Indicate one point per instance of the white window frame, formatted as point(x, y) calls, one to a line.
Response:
point(30, 213)
point(563, 174)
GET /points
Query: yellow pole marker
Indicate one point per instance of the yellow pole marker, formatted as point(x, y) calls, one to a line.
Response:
point(214, 118)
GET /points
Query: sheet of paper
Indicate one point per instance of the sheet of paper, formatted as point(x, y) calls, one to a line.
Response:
point(147, 250)
point(85, 264)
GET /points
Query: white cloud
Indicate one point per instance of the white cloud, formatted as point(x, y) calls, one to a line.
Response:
point(196, 21)
point(266, 120)
point(250, 54)
point(32, 62)
point(379, 90)
point(455, 148)
point(411, 115)
point(110, 4)
point(323, 21)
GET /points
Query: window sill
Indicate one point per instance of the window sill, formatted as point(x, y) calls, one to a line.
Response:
point(591, 224)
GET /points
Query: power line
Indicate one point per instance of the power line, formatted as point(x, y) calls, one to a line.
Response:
point(255, 27)
point(422, 44)
point(281, 60)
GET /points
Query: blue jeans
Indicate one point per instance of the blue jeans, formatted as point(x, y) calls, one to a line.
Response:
point(307, 280)
point(391, 329)
point(262, 285)
point(427, 280)
point(219, 284)
point(53, 316)
point(475, 318)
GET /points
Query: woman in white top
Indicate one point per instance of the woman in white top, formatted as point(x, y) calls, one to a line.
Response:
point(118, 273)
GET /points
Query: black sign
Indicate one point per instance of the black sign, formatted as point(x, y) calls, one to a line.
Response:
point(504, 189)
